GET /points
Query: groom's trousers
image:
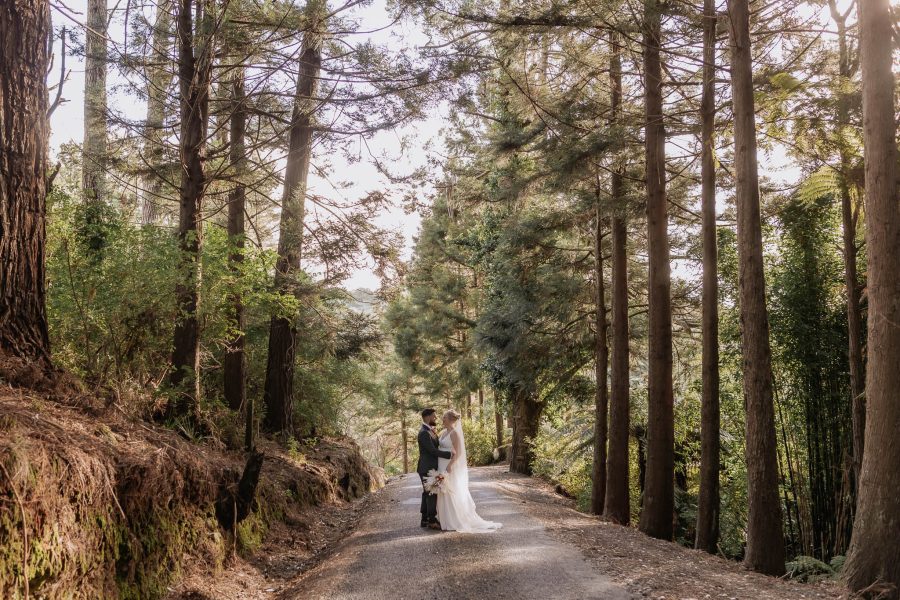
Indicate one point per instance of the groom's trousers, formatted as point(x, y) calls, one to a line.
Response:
point(429, 503)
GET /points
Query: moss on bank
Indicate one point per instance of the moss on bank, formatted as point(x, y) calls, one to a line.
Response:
point(113, 508)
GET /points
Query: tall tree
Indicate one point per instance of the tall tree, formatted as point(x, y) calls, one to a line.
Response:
point(25, 26)
point(659, 488)
point(195, 50)
point(617, 504)
point(601, 365)
point(708, 501)
point(765, 543)
point(93, 163)
point(874, 555)
point(159, 77)
point(279, 384)
point(849, 220)
point(235, 363)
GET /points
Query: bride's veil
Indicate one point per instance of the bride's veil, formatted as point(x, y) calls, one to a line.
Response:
point(460, 473)
point(461, 505)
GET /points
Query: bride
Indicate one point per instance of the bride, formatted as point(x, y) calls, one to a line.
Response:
point(455, 506)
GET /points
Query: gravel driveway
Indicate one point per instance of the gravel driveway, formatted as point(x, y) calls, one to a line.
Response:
point(390, 557)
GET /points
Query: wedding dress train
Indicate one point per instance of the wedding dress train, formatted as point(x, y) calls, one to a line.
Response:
point(455, 506)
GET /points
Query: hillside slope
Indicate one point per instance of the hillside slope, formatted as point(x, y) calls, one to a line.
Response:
point(94, 504)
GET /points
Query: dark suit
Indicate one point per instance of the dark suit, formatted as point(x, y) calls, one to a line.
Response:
point(428, 460)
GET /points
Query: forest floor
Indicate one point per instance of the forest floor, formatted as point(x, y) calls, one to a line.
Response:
point(546, 549)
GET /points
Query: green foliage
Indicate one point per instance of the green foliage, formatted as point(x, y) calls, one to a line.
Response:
point(111, 315)
point(481, 439)
point(563, 453)
point(808, 569)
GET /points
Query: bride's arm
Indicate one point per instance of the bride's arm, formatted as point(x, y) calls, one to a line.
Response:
point(454, 440)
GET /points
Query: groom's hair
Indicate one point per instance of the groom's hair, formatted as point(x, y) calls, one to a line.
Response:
point(428, 412)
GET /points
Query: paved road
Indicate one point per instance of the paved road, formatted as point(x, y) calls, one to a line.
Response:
point(390, 557)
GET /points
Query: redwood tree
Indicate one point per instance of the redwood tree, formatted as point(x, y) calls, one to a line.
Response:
point(659, 489)
point(765, 542)
point(708, 500)
point(24, 30)
point(874, 556)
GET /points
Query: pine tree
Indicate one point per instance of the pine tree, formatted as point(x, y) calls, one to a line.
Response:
point(765, 544)
point(195, 54)
point(659, 491)
point(279, 385)
point(708, 501)
point(874, 556)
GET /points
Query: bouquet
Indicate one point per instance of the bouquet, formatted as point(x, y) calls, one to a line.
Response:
point(436, 483)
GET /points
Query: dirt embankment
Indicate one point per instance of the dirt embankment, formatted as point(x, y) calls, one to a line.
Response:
point(94, 504)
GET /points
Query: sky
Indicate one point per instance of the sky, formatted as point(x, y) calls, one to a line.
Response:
point(67, 125)
point(363, 177)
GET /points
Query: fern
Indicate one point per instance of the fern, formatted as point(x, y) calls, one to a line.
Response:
point(808, 569)
point(821, 183)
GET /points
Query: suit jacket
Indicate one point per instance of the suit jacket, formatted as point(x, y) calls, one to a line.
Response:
point(428, 451)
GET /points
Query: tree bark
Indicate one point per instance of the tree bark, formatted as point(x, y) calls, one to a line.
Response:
point(601, 364)
point(194, 72)
point(404, 435)
point(848, 224)
point(279, 386)
point(526, 420)
point(235, 363)
point(24, 25)
point(498, 421)
point(659, 491)
point(765, 539)
point(874, 554)
point(708, 501)
point(617, 505)
point(158, 79)
point(94, 150)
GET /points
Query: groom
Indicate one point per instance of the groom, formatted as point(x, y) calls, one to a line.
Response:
point(428, 460)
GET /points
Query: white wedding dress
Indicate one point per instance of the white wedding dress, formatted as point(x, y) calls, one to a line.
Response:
point(455, 506)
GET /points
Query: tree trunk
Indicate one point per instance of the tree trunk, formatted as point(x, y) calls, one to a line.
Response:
point(601, 364)
point(498, 420)
point(874, 554)
point(848, 223)
point(93, 156)
point(24, 25)
point(158, 79)
point(404, 440)
point(526, 420)
point(659, 491)
point(708, 500)
point(194, 71)
point(617, 503)
point(279, 387)
point(765, 539)
point(235, 363)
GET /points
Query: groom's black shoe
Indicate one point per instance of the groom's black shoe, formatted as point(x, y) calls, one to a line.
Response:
point(424, 524)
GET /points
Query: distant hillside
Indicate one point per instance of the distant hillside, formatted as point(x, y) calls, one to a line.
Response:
point(364, 300)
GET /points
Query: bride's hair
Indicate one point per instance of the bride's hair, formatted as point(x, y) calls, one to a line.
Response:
point(452, 414)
